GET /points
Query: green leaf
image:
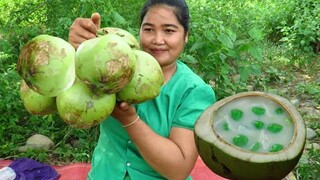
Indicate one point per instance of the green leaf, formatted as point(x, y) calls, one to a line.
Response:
point(255, 52)
point(118, 18)
point(244, 47)
point(255, 69)
point(234, 54)
point(190, 59)
point(256, 34)
point(209, 35)
point(222, 56)
point(197, 45)
point(84, 10)
point(225, 40)
point(244, 73)
point(232, 36)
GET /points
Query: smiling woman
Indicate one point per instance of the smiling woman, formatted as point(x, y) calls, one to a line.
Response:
point(202, 53)
point(163, 36)
point(153, 139)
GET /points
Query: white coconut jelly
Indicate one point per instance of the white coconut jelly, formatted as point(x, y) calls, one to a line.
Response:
point(254, 123)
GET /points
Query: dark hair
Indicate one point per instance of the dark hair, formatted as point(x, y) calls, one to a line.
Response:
point(181, 10)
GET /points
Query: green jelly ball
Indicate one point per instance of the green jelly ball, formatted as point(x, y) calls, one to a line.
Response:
point(226, 126)
point(258, 111)
point(288, 120)
point(275, 128)
point(279, 111)
point(258, 124)
point(236, 114)
point(276, 148)
point(255, 147)
point(240, 140)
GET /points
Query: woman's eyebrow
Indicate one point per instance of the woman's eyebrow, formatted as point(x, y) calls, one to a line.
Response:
point(170, 25)
point(164, 25)
point(147, 24)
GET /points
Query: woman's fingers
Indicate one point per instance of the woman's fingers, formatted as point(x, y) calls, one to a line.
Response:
point(83, 29)
point(96, 20)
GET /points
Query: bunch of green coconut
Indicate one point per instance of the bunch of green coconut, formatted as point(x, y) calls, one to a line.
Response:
point(251, 136)
point(83, 85)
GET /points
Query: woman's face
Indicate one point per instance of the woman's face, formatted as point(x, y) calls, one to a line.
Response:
point(161, 35)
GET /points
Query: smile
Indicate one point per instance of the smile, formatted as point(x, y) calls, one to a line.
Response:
point(157, 51)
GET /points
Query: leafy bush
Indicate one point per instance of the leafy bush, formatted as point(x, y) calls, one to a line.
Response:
point(313, 89)
point(216, 51)
point(303, 32)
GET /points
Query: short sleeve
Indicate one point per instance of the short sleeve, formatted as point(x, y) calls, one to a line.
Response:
point(192, 105)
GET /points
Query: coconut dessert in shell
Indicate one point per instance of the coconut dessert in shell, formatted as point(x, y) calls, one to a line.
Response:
point(251, 135)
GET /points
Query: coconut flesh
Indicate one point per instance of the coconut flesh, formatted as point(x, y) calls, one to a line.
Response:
point(146, 82)
point(36, 103)
point(106, 63)
point(46, 64)
point(252, 135)
point(81, 108)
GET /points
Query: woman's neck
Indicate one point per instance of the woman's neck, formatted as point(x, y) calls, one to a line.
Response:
point(168, 71)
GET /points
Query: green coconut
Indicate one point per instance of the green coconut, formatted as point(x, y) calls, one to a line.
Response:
point(146, 82)
point(125, 35)
point(241, 157)
point(46, 63)
point(36, 103)
point(106, 63)
point(81, 108)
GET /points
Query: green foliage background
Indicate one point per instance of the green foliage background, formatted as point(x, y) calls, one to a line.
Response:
point(258, 41)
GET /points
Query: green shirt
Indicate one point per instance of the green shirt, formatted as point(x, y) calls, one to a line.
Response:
point(180, 103)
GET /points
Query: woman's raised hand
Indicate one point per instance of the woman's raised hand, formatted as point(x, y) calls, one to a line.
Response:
point(83, 29)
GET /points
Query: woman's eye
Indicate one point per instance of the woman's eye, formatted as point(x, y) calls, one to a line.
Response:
point(147, 29)
point(169, 30)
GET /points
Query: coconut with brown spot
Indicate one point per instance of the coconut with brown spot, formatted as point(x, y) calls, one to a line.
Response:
point(81, 108)
point(124, 34)
point(46, 63)
point(146, 82)
point(36, 103)
point(106, 64)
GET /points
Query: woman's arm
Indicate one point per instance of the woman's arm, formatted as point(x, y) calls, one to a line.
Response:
point(172, 157)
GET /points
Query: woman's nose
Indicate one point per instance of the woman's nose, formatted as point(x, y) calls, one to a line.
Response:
point(158, 38)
